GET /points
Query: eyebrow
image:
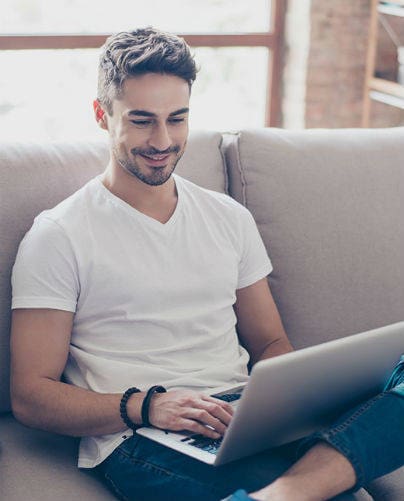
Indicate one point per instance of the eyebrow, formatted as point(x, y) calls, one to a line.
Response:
point(144, 113)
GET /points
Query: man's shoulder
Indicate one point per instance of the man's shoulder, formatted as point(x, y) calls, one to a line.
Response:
point(71, 208)
point(218, 199)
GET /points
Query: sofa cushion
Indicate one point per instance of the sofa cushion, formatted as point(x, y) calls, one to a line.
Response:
point(388, 488)
point(329, 205)
point(34, 177)
point(42, 466)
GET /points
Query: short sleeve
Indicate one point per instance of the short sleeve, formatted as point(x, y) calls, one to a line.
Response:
point(45, 271)
point(254, 263)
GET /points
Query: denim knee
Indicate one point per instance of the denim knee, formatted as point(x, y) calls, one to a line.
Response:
point(370, 436)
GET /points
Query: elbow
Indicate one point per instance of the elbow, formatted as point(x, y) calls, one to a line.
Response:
point(20, 409)
point(275, 347)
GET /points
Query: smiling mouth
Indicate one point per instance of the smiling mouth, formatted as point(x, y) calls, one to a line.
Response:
point(156, 160)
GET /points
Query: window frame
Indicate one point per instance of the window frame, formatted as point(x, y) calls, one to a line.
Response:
point(271, 39)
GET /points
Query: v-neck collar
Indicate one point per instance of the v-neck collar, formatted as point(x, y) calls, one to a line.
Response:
point(131, 211)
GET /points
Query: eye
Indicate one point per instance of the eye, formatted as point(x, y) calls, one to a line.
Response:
point(176, 120)
point(141, 123)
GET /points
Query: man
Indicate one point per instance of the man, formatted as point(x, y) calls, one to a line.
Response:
point(134, 285)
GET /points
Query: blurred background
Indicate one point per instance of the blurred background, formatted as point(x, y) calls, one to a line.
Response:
point(285, 63)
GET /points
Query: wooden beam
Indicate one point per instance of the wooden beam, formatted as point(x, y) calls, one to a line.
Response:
point(79, 41)
point(28, 42)
point(231, 40)
point(370, 62)
point(387, 87)
point(273, 112)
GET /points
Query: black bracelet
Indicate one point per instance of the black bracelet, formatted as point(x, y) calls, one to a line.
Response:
point(123, 410)
point(146, 403)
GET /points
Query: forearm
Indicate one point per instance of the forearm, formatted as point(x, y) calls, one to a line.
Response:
point(62, 408)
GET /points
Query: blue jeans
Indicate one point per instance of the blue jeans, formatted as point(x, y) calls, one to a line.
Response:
point(371, 436)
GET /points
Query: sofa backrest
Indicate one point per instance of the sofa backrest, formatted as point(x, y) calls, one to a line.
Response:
point(36, 177)
point(330, 207)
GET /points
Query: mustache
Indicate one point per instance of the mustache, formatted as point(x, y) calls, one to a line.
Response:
point(154, 151)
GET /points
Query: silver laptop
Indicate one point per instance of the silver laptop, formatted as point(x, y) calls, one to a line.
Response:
point(292, 395)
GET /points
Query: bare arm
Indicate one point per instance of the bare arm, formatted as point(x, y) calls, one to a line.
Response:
point(259, 324)
point(39, 348)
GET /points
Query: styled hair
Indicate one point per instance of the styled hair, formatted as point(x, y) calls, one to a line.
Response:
point(133, 53)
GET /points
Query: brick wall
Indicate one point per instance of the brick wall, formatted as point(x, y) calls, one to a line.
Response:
point(326, 52)
point(336, 62)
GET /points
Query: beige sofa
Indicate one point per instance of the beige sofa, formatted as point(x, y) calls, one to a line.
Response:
point(329, 205)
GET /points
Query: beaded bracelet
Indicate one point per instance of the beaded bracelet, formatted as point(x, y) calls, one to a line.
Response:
point(123, 410)
point(146, 403)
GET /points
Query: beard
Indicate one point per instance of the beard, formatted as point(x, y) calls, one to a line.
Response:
point(158, 175)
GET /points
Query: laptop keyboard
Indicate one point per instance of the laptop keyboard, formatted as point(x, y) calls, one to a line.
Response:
point(205, 443)
point(228, 397)
point(209, 444)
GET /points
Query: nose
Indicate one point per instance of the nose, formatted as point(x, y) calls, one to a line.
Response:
point(160, 138)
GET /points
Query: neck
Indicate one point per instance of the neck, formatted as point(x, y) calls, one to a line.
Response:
point(158, 202)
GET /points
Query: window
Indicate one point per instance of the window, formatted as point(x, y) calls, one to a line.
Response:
point(179, 16)
point(48, 79)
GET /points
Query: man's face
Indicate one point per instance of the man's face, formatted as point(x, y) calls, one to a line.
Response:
point(149, 126)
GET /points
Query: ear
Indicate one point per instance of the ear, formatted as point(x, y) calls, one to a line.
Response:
point(100, 115)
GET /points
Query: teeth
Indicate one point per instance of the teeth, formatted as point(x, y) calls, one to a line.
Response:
point(156, 157)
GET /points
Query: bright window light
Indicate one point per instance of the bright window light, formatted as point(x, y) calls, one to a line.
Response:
point(179, 16)
point(48, 94)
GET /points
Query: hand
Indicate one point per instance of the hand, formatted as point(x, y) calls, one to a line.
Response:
point(192, 411)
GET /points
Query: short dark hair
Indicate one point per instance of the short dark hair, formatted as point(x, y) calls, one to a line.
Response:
point(134, 53)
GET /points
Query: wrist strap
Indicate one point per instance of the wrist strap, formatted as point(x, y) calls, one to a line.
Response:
point(124, 411)
point(146, 403)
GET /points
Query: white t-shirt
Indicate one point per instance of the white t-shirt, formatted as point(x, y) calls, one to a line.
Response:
point(152, 301)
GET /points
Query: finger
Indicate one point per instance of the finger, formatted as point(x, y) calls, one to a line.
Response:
point(200, 429)
point(222, 412)
point(229, 408)
point(204, 417)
